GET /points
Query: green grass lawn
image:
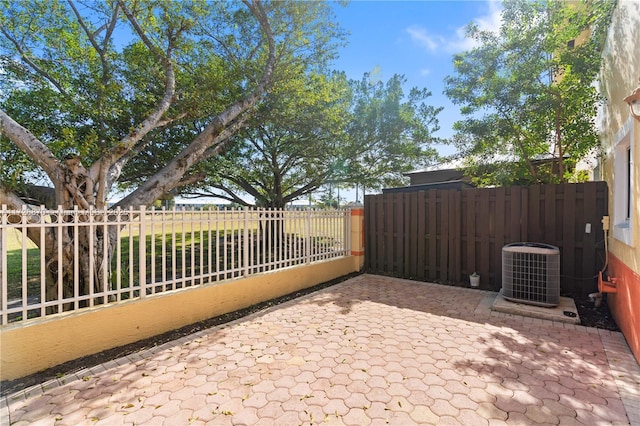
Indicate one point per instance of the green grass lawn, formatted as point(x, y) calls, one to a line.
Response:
point(129, 246)
point(14, 266)
point(182, 249)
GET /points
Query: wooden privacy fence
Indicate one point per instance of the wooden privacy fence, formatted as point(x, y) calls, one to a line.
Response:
point(445, 235)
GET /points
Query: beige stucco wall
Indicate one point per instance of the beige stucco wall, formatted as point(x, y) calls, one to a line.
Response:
point(35, 345)
point(619, 77)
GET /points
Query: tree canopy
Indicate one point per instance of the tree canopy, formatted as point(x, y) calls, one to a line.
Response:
point(315, 130)
point(527, 93)
point(389, 133)
point(286, 150)
point(88, 88)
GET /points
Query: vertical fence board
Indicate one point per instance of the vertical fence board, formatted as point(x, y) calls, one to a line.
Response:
point(567, 255)
point(406, 231)
point(370, 236)
point(484, 226)
point(500, 227)
point(432, 234)
point(582, 217)
point(534, 230)
point(549, 229)
point(399, 235)
point(412, 226)
point(422, 236)
point(443, 227)
point(380, 265)
point(524, 212)
point(455, 273)
point(589, 240)
point(515, 217)
point(376, 227)
point(388, 232)
point(471, 230)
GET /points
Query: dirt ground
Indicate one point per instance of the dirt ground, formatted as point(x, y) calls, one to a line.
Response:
point(590, 316)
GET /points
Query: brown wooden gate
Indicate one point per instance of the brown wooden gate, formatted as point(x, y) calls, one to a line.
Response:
point(444, 235)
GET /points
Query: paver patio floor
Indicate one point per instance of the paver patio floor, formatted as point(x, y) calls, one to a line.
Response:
point(371, 350)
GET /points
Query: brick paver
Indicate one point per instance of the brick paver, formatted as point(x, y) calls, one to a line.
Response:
point(372, 350)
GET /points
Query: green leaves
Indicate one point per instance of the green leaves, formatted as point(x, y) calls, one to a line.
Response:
point(527, 92)
point(84, 76)
point(388, 133)
point(289, 145)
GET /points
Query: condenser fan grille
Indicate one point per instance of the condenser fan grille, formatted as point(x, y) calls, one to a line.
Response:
point(531, 273)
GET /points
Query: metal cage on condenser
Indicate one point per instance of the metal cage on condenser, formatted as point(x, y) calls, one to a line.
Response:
point(531, 274)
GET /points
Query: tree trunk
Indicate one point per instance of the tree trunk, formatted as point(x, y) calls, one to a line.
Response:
point(77, 260)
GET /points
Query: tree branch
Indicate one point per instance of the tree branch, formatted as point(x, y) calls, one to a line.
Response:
point(231, 196)
point(214, 136)
point(34, 66)
point(155, 50)
point(151, 122)
point(11, 199)
point(91, 36)
point(32, 146)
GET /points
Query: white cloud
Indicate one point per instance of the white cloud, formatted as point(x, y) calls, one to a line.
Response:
point(420, 36)
point(457, 41)
point(492, 20)
point(425, 71)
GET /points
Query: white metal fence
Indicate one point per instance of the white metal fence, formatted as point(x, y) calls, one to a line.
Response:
point(58, 260)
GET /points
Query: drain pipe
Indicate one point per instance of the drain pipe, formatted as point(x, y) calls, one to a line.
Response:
point(604, 286)
point(596, 297)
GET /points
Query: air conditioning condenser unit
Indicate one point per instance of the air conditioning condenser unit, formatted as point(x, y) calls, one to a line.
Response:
point(531, 273)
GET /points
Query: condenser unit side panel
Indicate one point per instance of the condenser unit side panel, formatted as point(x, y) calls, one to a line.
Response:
point(531, 276)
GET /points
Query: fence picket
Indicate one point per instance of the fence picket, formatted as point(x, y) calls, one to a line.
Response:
point(432, 232)
point(4, 238)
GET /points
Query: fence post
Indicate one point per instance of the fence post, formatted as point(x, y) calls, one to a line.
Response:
point(245, 243)
point(346, 231)
point(142, 253)
point(76, 258)
point(308, 236)
point(59, 224)
point(356, 246)
point(3, 266)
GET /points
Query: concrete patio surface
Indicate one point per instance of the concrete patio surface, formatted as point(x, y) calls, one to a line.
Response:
point(371, 350)
point(566, 310)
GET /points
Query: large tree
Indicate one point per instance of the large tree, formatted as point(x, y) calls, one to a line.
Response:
point(389, 133)
point(316, 130)
point(87, 87)
point(527, 91)
point(285, 151)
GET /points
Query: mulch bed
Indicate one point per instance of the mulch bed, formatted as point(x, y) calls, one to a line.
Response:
point(590, 316)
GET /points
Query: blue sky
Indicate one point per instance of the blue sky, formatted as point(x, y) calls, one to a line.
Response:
point(414, 38)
